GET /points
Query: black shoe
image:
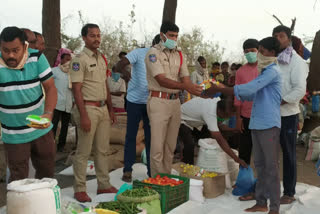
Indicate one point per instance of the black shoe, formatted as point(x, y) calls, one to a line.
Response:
point(127, 177)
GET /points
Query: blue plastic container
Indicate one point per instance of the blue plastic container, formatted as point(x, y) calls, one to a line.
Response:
point(315, 103)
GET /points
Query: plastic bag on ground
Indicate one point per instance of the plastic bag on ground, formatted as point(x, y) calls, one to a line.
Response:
point(123, 188)
point(245, 181)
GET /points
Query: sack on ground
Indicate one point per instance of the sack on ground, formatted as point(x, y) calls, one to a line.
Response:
point(211, 157)
point(33, 196)
point(313, 149)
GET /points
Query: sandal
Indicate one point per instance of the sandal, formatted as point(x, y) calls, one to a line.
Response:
point(285, 199)
point(248, 197)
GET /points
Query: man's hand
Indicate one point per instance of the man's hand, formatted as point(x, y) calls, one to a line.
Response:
point(47, 115)
point(126, 76)
point(194, 89)
point(242, 163)
point(113, 117)
point(212, 90)
point(85, 123)
point(239, 125)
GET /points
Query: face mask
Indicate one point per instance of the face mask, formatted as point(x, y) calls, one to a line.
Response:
point(251, 57)
point(115, 76)
point(264, 61)
point(65, 67)
point(169, 43)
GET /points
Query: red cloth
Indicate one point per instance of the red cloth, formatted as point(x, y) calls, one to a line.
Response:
point(118, 110)
point(61, 52)
point(244, 75)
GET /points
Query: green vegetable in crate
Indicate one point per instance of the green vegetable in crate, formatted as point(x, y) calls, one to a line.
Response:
point(145, 198)
point(171, 197)
point(163, 181)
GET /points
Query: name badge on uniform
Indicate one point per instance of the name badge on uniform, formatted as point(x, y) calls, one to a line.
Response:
point(93, 65)
point(75, 66)
point(152, 58)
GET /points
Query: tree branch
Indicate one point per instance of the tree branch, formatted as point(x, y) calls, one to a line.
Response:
point(293, 24)
point(274, 16)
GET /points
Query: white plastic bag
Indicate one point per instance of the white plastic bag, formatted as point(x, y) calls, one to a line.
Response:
point(33, 196)
point(90, 169)
point(233, 170)
point(211, 157)
point(196, 190)
point(313, 151)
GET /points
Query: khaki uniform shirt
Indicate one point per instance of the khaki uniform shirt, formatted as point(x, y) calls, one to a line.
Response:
point(161, 60)
point(89, 69)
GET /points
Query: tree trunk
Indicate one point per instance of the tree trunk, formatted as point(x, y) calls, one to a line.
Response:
point(169, 11)
point(51, 28)
point(314, 74)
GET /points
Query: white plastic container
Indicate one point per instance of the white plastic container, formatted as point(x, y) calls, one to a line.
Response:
point(196, 191)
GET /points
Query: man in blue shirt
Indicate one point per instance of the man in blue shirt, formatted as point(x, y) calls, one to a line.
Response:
point(23, 74)
point(137, 97)
point(265, 123)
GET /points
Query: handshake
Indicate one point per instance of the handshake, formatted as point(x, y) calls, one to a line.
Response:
point(211, 88)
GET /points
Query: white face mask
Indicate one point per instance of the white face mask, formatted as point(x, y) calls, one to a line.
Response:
point(264, 61)
point(169, 43)
point(65, 67)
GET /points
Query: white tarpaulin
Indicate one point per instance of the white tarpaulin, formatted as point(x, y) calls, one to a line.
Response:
point(308, 198)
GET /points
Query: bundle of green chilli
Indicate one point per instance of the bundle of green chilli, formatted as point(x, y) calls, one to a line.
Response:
point(120, 207)
point(140, 195)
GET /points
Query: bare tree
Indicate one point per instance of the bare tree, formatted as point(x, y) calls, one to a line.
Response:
point(51, 28)
point(169, 11)
point(293, 22)
point(314, 74)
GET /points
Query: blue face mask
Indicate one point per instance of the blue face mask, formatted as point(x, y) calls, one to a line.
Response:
point(251, 57)
point(169, 43)
point(115, 76)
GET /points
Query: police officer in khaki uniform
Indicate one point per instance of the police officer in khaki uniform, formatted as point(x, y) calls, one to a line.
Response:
point(93, 113)
point(167, 74)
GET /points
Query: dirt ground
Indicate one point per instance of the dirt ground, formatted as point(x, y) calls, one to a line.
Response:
point(306, 169)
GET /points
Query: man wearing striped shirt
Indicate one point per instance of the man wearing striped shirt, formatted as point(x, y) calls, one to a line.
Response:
point(23, 73)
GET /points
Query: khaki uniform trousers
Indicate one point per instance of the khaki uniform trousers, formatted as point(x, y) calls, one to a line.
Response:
point(165, 118)
point(97, 141)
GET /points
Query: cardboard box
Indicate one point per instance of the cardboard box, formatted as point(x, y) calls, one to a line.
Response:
point(212, 187)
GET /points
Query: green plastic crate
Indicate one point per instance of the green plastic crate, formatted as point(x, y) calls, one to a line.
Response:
point(171, 197)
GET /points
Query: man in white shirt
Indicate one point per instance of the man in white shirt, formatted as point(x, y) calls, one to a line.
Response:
point(118, 89)
point(65, 98)
point(198, 112)
point(294, 72)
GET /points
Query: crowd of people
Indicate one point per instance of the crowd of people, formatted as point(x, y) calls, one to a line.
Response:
point(262, 96)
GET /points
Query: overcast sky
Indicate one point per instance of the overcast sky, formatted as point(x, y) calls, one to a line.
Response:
point(228, 22)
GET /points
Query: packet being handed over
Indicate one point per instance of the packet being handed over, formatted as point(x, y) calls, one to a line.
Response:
point(38, 122)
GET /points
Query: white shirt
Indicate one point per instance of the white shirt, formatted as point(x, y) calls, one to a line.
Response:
point(198, 112)
point(65, 97)
point(120, 86)
point(294, 81)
